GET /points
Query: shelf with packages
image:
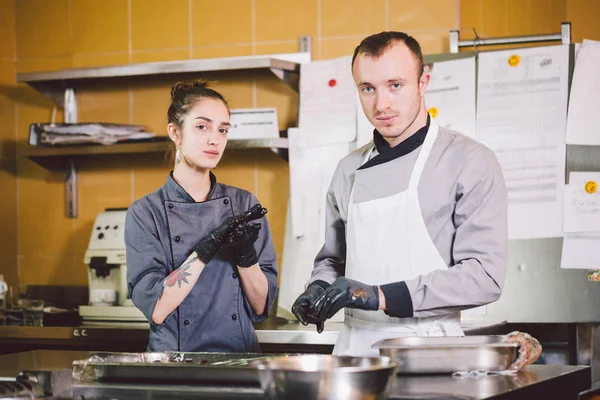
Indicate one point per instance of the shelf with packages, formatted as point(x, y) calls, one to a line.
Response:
point(58, 157)
point(61, 86)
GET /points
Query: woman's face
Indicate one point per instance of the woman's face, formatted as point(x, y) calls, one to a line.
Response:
point(203, 134)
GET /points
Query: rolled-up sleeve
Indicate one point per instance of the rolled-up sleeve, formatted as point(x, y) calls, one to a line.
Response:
point(330, 262)
point(267, 261)
point(480, 247)
point(146, 263)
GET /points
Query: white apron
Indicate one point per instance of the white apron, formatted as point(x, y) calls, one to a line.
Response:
point(387, 241)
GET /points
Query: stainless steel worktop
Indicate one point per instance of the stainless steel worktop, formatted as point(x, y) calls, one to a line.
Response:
point(290, 333)
point(271, 331)
point(534, 382)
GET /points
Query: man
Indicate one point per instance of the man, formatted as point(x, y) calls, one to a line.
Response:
point(416, 223)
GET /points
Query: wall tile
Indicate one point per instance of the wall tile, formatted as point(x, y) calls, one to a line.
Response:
point(10, 269)
point(352, 17)
point(221, 22)
point(160, 55)
point(42, 28)
point(52, 270)
point(236, 87)
point(103, 103)
point(7, 29)
point(273, 193)
point(101, 183)
point(583, 16)
point(292, 46)
point(100, 60)
point(409, 15)
point(237, 168)
point(493, 18)
point(222, 51)
point(277, 48)
point(156, 25)
point(43, 227)
point(100, 26)
point(432, 42)
point(149, 174)
point(8, 94)
point(151, 102)
point(272, 92)
point(278, 20)
point(8, 211)
point(334, 48)
point(471, 16)
point(25, 65)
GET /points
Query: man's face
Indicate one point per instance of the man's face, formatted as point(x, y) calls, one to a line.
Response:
point(391, 91)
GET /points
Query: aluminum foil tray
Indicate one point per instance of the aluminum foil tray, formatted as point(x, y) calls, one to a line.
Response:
point(441, 355)
point(169, 367)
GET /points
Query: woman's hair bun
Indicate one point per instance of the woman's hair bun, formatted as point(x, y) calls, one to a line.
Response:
point(181, 87)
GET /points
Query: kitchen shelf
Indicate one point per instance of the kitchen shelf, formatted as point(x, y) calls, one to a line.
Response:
point(57, 157)
point(55, 84)
point(61, 87)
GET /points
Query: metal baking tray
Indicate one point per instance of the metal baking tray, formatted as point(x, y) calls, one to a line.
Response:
point(441, 355)
point(169, 367)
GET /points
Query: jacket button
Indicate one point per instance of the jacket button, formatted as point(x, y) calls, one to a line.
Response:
point(226, 201)
point(177, 239)
point(235, 275)
point(170, 205)
point(186, 322)
point(234, 317)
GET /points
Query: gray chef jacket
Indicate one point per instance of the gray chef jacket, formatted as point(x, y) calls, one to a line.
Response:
point(160, 231)
point(463, 203)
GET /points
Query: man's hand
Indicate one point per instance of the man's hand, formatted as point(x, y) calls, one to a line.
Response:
point(210, 245)
point(242, 241)
point(302, 307)
point(342, 293)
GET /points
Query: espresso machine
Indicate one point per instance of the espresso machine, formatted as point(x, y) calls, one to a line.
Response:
point(107, 272)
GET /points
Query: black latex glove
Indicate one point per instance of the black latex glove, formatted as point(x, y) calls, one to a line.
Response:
point(303, 306)
point(242, 241)
point(210, 245)
point(345, 292)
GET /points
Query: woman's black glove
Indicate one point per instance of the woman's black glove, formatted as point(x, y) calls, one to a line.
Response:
point(242, 241)
point(211, 244)
point(345, 292)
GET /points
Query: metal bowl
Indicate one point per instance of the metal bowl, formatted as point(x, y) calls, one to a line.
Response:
point(325, 377)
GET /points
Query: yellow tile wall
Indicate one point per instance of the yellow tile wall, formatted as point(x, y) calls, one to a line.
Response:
point(38, 245)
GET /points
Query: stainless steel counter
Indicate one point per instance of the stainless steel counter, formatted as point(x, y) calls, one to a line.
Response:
point(271, 331)
point(534, 382)
point(291, 333)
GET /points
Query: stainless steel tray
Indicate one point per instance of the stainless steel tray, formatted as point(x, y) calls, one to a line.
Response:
point(440, 355)
point(169, 367)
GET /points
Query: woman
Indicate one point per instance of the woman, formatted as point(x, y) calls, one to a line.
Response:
point(197, 269)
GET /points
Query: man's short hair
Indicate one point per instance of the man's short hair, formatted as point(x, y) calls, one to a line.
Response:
point(377, 44)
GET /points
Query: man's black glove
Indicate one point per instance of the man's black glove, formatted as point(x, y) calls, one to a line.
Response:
point(303, 306)
point(342, 293)
point(242, 241)
point(210, 245)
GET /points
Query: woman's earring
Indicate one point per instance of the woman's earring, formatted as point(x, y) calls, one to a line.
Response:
point(177, 157)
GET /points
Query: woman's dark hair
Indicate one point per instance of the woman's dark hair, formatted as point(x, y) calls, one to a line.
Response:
point(183, 97)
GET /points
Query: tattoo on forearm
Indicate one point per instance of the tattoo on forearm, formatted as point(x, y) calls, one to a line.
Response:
point(189, 262)
point(177, 276)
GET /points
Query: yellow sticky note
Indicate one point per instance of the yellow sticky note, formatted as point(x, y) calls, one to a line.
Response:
point(433, 111)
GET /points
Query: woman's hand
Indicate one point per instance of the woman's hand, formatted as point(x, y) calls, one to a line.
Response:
point(211, 244)
point(242, 241)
